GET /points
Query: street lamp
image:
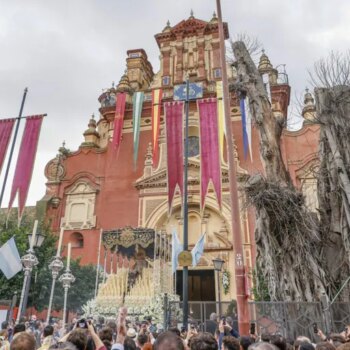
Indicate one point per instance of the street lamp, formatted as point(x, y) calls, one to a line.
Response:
point(218, 263)
point(55, 267)
point(38, 239)
point(67, 279)
point(29, 260)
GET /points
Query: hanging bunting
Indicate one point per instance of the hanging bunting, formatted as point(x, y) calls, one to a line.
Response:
point(244, 127)
point(25, 162)
point(118, 119)
point(210, 154)
point(137, 101)
point(6, 126)
point(221, 118)
point(156, 108)
point(249, 126)
point(174, 139)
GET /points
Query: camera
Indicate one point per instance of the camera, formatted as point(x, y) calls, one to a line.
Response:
point(315, 327)
point(82, 324)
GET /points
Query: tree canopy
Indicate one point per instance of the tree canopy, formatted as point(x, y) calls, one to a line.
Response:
point(81, 290)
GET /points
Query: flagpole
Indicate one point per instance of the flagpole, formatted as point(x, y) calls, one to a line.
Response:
point(13, 145)
point(242, 300)
point(98, 262)
point(185, 212)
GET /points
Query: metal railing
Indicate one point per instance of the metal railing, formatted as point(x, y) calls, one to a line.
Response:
point(289, 319)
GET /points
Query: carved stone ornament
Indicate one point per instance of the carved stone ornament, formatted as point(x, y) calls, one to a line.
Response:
point(55, 171)
point(55, 201)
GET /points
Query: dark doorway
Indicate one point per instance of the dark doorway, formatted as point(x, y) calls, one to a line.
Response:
point(201, 285)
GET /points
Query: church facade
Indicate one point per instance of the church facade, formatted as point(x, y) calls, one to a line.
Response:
point(95, 188)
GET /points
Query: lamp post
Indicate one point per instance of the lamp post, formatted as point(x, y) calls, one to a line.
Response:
point(218, 263)
point(55, 267)
point(67, 279)
point(29, 261)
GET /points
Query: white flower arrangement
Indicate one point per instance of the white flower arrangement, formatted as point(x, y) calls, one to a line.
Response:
point(226, 276)
point(154, 309)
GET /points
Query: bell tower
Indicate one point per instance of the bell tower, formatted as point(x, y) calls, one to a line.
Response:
point(190, 47)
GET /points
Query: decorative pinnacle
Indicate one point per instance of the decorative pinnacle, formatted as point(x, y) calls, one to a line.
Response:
point(113, 84)
point(191, 13)
point(168, 23)
point(63, 143)
point(93, 116)
point(214, 14)
point(306, 89)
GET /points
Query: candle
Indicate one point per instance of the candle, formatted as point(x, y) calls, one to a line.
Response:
point(68, 256)
point(60, 242)
point(33, 234)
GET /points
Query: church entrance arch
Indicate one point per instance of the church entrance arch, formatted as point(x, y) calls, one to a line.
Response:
point(212, 221)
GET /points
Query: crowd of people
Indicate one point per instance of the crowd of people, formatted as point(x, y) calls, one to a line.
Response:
point(120, 334)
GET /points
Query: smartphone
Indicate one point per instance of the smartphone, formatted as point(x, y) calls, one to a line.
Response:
point(223, 319)
point(252, 328)
point(315, 327)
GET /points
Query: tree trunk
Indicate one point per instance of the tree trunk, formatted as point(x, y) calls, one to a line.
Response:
point(333, 113)
point(270, 126)
point(287, 238)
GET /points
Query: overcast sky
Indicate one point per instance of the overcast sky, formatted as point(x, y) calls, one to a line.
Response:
point(67, 51)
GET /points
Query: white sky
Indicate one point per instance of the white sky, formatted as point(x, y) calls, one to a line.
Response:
point(66, 51)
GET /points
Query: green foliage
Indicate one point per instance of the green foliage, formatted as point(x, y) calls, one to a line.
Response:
point(260, 289)
point(81, 291)
point(232, 308)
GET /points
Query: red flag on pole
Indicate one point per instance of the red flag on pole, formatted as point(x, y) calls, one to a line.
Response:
point(174, 138)
point(6, 126)
point(210, 154)
point(119, 119)
point(156, 107)
point(25, 162)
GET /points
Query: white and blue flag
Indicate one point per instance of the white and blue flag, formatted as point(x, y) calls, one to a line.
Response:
point(177, 248)
point(198, 250)
point(10, 261)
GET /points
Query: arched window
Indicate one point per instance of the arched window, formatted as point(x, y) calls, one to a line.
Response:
point(77, 240)
point(193, 141)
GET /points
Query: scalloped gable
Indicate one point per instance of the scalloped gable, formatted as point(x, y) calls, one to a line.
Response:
point(159, 179)
point(190, 27)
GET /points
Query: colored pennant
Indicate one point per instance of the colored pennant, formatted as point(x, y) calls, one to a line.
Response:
point(6, 126)
point(137, 101)
point(221, 118)
point(156, 108)
point(210, 154)
point(25, 162)
point(249, 126)
point(244, 127)
point(174, 139)
point(119, 119)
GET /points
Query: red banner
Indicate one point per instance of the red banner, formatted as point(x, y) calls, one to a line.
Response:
point(174, 139)
point(156, 108)
point(6, 126)
point(210, 154)
point(25, 162)
point(118, 119)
